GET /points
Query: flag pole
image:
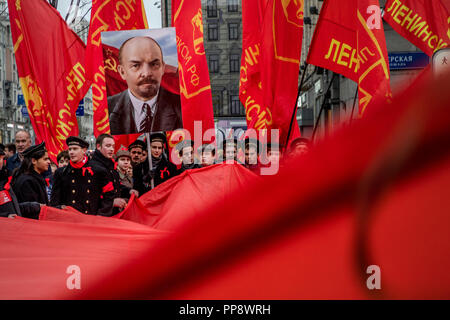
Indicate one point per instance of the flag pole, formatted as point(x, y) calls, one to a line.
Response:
point(322, 106)
point(354, 103)
point(294, 112)
point(149, 158)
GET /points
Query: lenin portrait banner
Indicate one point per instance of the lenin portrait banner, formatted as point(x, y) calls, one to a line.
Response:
point(141, 68)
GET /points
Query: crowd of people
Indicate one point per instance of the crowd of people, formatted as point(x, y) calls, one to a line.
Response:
point(101, 182)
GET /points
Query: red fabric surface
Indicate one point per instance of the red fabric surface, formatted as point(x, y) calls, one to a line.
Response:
point(281, 47)
point(300, 234)
point(345, 43)
point(182, 199)
point(250, 89)
point(35, 254)
point(53, 80)
point(424, 23)
point(195, 86)
point(361, 197)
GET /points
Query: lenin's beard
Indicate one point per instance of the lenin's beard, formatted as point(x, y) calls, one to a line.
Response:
point(148, 88)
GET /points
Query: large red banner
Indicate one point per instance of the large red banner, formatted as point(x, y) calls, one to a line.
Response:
point(281, 43)
point(107, 15)
point(250, 88)
point(349, 40)
point(195, 87)
point(52, 79)
point(424, 23)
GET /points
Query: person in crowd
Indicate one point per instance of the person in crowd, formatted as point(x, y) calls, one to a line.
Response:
point(63, 158)
point(252, 148)
point(185, 150)
point(144, 155)
point(162, 168)
point(230, 148)
point(123, 159)
point(82, 184)
point(136, 150)
point(9, 206)
point(299, 146)
point(27, 181)
point(274, 155)
point(10, 150)
point(208, 154)
point(103, 157)
point(22, 141)
point(145, 106)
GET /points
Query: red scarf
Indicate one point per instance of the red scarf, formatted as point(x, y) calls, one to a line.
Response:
point(80, 164)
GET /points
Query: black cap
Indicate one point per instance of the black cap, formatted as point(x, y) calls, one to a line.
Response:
point(31, 151)
point(76, 141)
point(158, 136)
point(138, 143)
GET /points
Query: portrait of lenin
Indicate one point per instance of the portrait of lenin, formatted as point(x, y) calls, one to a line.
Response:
point(145, 106)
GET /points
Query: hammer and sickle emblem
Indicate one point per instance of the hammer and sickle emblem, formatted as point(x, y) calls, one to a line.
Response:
point(198, 33)
point(111, 64)
point(293, 11)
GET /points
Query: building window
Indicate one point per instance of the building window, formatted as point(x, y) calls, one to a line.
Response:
point(233, 31)
point(211, 8)
point(217, 102)
point(214, 63)
point(235, 105)
point(235, 63)
point(232, 5)
point(213, 32)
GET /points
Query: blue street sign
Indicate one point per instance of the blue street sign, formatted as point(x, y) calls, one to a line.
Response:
point(407, 60)
point(24, 111)
point(20, 100)
point(80, 109)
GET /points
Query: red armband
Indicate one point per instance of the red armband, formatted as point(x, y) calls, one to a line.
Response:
point(107, 188)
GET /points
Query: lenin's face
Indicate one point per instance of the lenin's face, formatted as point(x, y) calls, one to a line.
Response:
point(142, 67)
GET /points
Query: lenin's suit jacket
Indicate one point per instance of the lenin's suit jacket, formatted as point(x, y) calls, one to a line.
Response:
point(167, 117)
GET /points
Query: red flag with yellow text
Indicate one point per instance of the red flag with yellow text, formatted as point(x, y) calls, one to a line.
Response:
point(424, 23)
point(195, 87)
point(107, 15)
point(281, 44)
point(52, 79)
point(250, 88)
point(349, 40)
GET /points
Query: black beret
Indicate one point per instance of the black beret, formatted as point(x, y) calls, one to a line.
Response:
point(76, 141)
point(138, 143)
point(31, 151)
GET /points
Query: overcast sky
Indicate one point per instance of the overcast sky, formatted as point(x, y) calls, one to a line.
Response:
point(153, 13)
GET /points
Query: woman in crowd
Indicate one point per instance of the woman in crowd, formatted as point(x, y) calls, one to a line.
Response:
point(27, 182)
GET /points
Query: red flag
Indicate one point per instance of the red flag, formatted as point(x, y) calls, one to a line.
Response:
point(424, 23)
point(349, 40)
point(281, 43)
point(250, 87)
point(107, 15)
point(195, 88)
point(52, 80)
